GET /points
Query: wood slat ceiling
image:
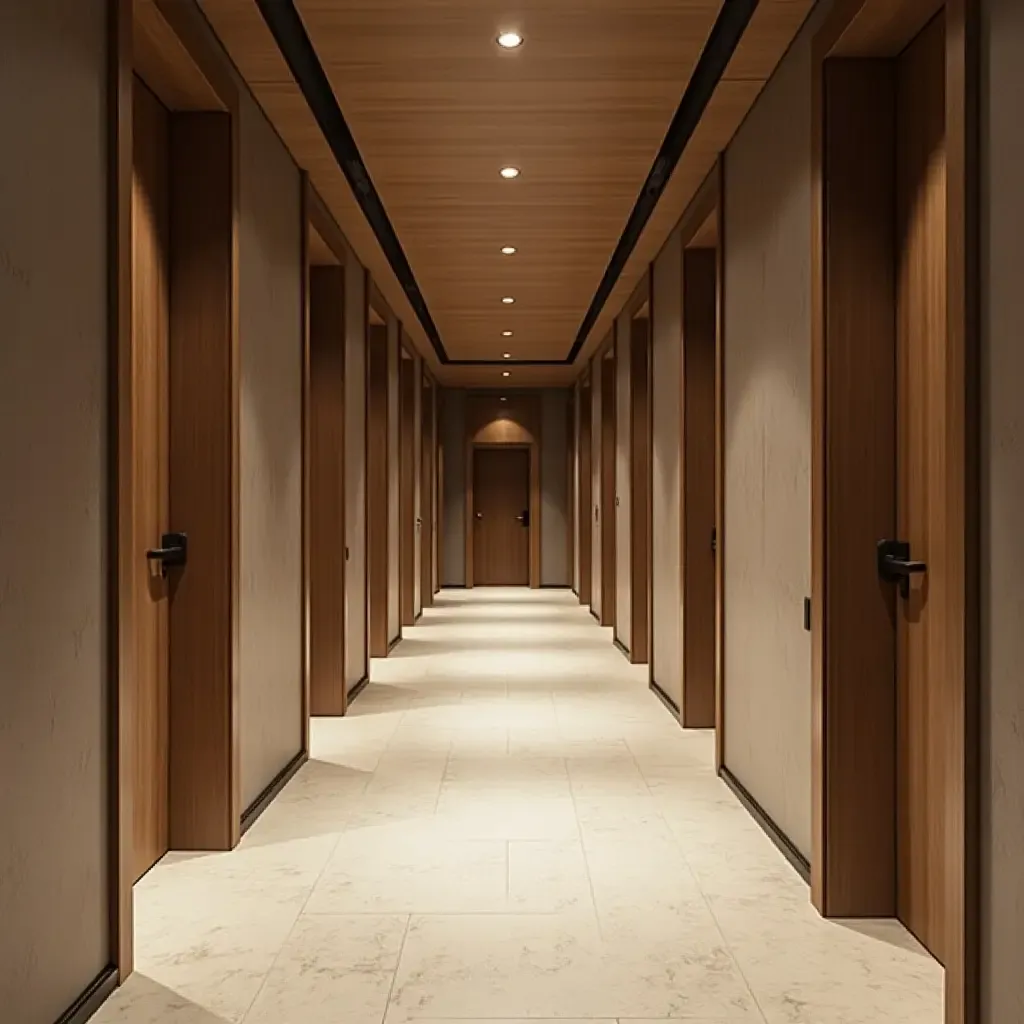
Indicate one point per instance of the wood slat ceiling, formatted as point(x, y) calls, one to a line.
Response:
point(437, 108)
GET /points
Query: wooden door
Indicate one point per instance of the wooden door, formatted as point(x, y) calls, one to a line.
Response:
point(608, 496)
point(585, 492)
point(926, 690)
point(427, 495)
point(407, 489)
point(150, 328)
point(501, 517)
point(378, 471)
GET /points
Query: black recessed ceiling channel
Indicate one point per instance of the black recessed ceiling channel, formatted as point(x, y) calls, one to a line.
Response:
point(285, 24)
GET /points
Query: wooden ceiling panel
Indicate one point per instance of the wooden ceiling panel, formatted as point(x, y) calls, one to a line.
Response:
point(437, 108)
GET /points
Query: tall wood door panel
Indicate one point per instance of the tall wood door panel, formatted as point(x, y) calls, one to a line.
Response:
point(150, 329)
point(501, 517)
point(926, 687)
point(608, 496)
point(407, 489)
point(427, 508)
point(585, 491)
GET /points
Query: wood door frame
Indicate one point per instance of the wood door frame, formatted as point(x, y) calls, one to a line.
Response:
point(535, 503)
point(186, 73)
point(842, 805)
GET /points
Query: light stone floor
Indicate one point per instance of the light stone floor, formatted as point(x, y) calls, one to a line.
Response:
point(507, 827)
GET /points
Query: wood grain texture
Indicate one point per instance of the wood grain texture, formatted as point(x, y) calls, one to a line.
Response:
point(949, 378)
point(163, 61)
point(307, 551)
point(150, 327)
point(854, 468)
point(927, 680)
point(592, 87)
point(608, 496)
point(377, 475)
point(327, 490)
point(205, 809)
point(639, 492)
point(501, 494)
point(584, 499)
point(428, 447)
point(408, 386)
point(700, 328)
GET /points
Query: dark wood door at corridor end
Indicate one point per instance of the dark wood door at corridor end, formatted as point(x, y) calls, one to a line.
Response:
point(501, 516)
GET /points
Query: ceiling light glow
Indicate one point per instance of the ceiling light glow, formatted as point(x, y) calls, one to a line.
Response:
point(505, 373)
point(508, 300)
point(508, 250)
point(506, 334)
point(506, 355)
point(510, 172)
point(510, 40)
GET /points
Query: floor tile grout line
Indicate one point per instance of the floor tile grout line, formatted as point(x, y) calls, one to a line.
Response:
point(700, 888)
point(583, 850)
point(398, 967)
point(291, 931)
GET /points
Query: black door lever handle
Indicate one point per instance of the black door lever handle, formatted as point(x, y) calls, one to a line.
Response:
point(896, 566)
point(173, 551)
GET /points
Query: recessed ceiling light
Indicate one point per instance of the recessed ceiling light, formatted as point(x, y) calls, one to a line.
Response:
point(506, 355)
point(505, 373)
point(510, 40)
point(508, 300)
point(508, 250)
point(510, 172)
point(503, 399)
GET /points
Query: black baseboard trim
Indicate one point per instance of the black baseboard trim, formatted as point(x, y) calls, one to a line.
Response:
point(358, 688)
point(764, 819)
point(394, 642)
point(555, 586)
point(92, 998)
point(452, 586)
point(665, 698)
point(622, 647)
point(266, 798)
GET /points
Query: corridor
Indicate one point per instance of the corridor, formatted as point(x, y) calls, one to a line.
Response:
point(508, 826)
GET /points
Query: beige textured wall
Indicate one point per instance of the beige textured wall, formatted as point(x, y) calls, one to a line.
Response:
point(597, 512)
point(623, 483)
point(53, 508)
point(356, 638)
point(394, 522)
point(768, 446)
point(666, 438)
point(270, 326)
point(1002, 512)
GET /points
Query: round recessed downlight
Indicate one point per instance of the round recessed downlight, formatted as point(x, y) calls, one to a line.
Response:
point(510, 40)
point(505, 373)
point(508, 300)
point(506, 355)
point(503, 398)
point(506, 334)
point(508, 250)
point(509, 172)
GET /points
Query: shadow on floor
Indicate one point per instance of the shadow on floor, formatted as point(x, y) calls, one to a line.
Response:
point(143, 999)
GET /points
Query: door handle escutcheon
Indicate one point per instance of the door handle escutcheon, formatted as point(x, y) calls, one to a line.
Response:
point(896, 566)
point(173, 551)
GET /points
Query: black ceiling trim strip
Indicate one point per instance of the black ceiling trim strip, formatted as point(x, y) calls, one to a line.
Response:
point(725, 36)
point(293, 41)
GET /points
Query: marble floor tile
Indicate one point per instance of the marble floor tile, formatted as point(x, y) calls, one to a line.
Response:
point(508, 828)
